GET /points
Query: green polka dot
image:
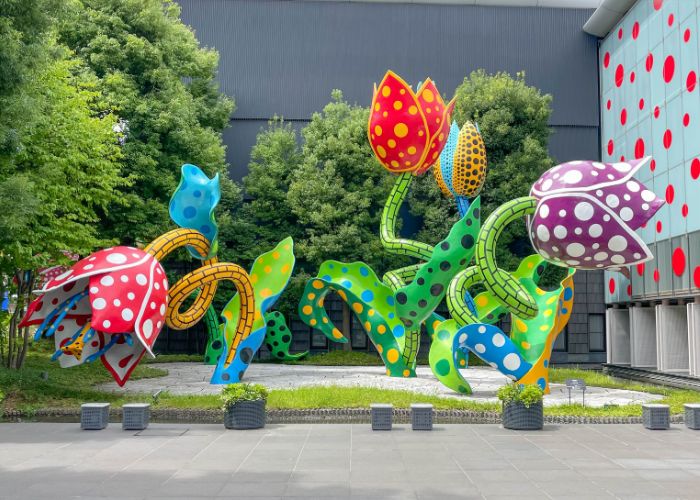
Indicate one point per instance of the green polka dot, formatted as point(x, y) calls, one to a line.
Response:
point(442, 367)
point(443, 335)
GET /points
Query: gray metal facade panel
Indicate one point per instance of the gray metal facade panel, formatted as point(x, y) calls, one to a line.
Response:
point(285, 57)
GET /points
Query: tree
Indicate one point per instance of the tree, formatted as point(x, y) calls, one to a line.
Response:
point(152, 73)
point(513, 119)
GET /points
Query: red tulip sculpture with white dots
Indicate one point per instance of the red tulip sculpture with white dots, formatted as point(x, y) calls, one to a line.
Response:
point(100, 302)
point(587, 214)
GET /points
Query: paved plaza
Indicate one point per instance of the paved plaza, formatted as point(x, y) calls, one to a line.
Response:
point(59, 461)
point(193, 378)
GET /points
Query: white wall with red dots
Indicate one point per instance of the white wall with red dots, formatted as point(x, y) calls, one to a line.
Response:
point(650, 105)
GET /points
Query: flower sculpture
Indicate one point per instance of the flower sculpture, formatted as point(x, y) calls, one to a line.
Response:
point(118, 292)
point(408, 130)
point(587, 213)
point(461, 168)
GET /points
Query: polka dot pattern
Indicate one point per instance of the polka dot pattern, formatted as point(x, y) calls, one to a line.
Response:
point(461, 169)
point(490, 344)
point(407, 130)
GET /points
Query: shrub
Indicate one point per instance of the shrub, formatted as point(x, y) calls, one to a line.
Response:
point(518, 393)
point(235, 393)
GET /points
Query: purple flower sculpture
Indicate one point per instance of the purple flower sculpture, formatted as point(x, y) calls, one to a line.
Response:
point(587, 213)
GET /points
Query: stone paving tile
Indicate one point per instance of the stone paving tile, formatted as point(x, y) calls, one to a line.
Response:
point(455, 461)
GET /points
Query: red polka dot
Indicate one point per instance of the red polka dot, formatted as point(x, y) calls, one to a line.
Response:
point(668, 138)
point(657, 111)
point(656, 275)
point(678, 261)
point(670, 194)
point(620, 75)
point(629, 290)
point(686, 120)
point(686, 35)
point(61, 328)
point(641, 104)
point(622, 157)
point(635, 30)
point(658, 4)
point(620, 33)
point(611, 147)
point(639, 148)
point(684, 210)
point(623, 116)
point(69, 286)
point(696, 276)
point(94, 343)
point(670, 19)
point(652, 165)
point(649, 62)
point(669, 68)
point(608, 104)
point(659, 226)
point(611, 286)
point(125, 361)
point(54, 301)
point(632, 77)
point(695, 168)
point(640, 269)
point(606, 60)
point(690, 81)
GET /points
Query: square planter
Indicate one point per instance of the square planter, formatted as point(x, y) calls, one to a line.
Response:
point(94, 416)
point(517, 416)
point(381, 417)
point(656, 416)
point(135, 416)
point(422, 417)
point(692, 416)
point(245, 415)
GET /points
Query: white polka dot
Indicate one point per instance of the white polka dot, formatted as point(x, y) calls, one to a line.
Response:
point(165, 283)
point(156, 285)
point(127, 314)
point(626, 214)
point(598, 165)
point(542, 233)
point(645, 206)
point(106, 323)
point(153, 305)
point(511, 361)
point(162, 309)
point(463, 338)
point(116, 258)
point(555, 176)
point(124, 278)
point(498, 340)
point(107, 281)
point(147, 328)
point(158, 271)
point(560, 232)
point(594, 173)
point(587, 258)
point(131, 295)
point(606, 217)
point(159, 324)
point(572, 262)
point(493, 365)
point(572, 177)
point(611, 177)
point(99, 304)
point(141, 279)
point(600, 256)
point(599, 265)
point(584, 211)
point(63, 276)
point(555, 249)
point(612, 201)
point(627, 197)
point(637, 255)
point(648, 195)
point(117, 302)
point(135, 255)
point(622, 167)
point(599, 192)
point(480, 348)
point(633, 186)
point(595, 230)
point(546, 184)
point(562, 213)
point(92, 258)
point(578, 230)
point(481, 329)
point(618, 259)
point(88, 267)
point(94, 289)
point(575, 249)
point(575, 162)
point(595, 246)
point(544, 254)
point(544, 211)
point(617, 243)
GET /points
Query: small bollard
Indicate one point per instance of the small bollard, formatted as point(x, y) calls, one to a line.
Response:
point(422, 417)
point(692, 416)
point(381, 416)
point(94, 416)
point(656, 416)
point(135, 416)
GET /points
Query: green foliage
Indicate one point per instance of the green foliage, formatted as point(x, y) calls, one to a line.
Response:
point(150, 71)
point(513, 119)
point(235, 393)
point(518, 393)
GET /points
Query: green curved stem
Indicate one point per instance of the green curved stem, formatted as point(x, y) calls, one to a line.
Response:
point(398, 278)
point(459, 286)
point(499, 282)
point(387, 230)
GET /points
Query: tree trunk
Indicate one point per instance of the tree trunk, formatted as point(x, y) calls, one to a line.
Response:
point(18, 338)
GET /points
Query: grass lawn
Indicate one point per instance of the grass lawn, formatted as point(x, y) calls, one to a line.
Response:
point(27, 390)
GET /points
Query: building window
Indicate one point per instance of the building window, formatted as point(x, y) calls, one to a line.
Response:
point(596, 332)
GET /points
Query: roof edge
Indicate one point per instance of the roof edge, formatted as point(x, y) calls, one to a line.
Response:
point(561, 4)
point(606, 16)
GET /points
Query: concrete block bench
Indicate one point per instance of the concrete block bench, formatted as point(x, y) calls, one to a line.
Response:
point(422, 417)
point(656, 416)
point(381, 416)
point(135, 416)
point(94, 416)
point(692, 416)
